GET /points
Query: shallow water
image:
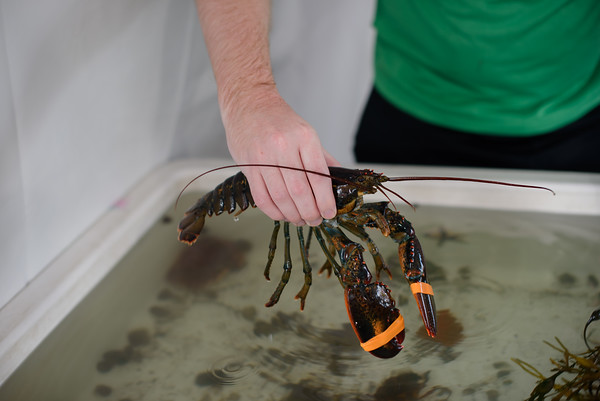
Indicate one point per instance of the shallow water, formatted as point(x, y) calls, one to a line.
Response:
point(503, 283)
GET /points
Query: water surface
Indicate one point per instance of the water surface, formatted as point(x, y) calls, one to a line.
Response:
point(198, 329)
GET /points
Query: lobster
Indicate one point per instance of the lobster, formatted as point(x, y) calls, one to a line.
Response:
point(371, 309)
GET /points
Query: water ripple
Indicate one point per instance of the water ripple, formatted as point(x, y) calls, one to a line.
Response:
point(231, 370)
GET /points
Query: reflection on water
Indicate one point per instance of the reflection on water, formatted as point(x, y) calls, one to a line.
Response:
point(207, 261)
point(198, 329)
point(449, 328)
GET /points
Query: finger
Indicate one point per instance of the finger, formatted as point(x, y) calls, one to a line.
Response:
point(321, 186)
point(300, 192)
point(279, 194)
point(260, 193)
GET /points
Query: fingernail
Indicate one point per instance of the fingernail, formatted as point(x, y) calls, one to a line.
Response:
point(329, 214)
point(315, 223)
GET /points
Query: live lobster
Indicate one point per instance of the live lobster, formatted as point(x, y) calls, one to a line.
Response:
point(376, 321)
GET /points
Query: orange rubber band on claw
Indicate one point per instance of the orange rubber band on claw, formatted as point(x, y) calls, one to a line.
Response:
point(382, 339)
point(421, 288)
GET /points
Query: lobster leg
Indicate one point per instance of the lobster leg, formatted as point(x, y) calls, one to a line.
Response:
point(305, 268)
point(287, 264)
point(331, 262)
point(372, 215)
point(371, 246)
point(287, 267)
point(272, 248)
point(327, 266)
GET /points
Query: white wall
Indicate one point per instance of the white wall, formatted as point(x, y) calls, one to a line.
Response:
point(13, 274)
point(322, 58)
point(96, 93)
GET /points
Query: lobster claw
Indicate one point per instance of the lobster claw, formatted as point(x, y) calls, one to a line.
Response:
point(375, 319)
point(424, 296)
point(410, 255)
point(413, 262)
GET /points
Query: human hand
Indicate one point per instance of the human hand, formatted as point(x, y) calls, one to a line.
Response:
point(265, 129)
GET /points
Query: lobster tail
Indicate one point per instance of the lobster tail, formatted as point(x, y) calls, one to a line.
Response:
point(192, 223)
point(226, 196)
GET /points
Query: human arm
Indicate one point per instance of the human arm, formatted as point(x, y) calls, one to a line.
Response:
point(260, 126)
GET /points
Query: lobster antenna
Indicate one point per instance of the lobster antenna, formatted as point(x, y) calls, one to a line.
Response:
point(200, 176)
point(481, 181)
point(267, 165)
point(395, 194)
point(396, 179)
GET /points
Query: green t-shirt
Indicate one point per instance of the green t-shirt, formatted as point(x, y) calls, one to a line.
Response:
point(498, 67)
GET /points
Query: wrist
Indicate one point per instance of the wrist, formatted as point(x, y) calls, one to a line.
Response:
point(237, 100)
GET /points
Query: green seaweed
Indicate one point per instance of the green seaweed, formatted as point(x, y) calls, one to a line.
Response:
point(579, 373)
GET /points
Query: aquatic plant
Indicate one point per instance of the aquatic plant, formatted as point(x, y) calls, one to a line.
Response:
point(579, 373)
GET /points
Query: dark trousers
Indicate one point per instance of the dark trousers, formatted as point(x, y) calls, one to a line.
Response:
point(388, 135)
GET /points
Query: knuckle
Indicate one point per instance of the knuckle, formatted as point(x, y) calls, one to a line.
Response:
point(298, 186)
point(265, 204)
point(279, 141)
point(279, 196)
point(298, 222)
point(294, 218)
point(306, 131)
point(298, 189)
point(276, 216)
point(261, 200)
point(312, 219)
